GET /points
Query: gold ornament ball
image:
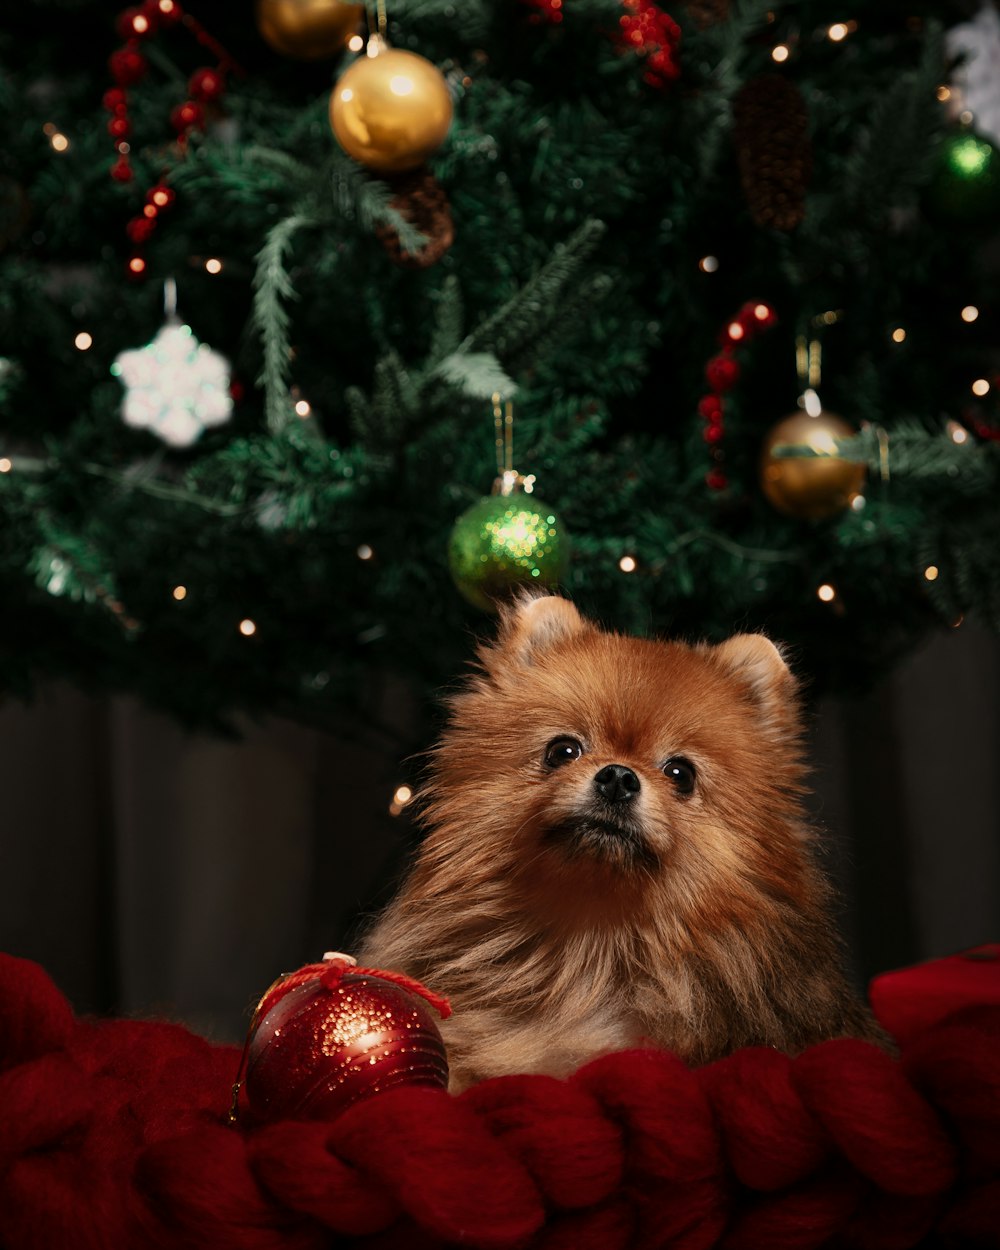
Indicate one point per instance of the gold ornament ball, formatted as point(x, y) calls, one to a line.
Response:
point(390, 111)
point(308, 30)
point(810, 487)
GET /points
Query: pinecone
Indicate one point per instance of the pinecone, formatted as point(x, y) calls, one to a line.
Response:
point(771, 133)
point(423, 201)
point(706, 13)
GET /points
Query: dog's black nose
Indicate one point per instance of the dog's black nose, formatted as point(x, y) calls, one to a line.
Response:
point(616, 783)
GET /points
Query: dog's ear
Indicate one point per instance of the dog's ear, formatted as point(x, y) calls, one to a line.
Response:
point(531, 624)
point(758, 664)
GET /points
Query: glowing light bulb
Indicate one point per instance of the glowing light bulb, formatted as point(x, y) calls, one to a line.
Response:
point(943, 93)
point(899, 335)
point(83, 341)
point(980, 387)
point(931, 572)
point(970, 312)
point(627, 564)
point(708, 264)
point(5, 465)
point(137, 265)
point(400, 799)
point(213, 265)
point(958, 433)
point(302, 408)
point(365, 552)
point(734, 330)
point(59, 141)
point(179, 593)
point(826, 592)
point(355, 43)
point(761, 312)
point(838, 31)
point(780, 52)
point(247, 628)
point(166, 6)
point(140, 24)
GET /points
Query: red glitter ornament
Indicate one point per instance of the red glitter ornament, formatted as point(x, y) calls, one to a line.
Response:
point(332, 1034)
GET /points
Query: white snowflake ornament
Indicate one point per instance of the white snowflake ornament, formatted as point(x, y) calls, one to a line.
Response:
point(977, 79)
point(174, 386)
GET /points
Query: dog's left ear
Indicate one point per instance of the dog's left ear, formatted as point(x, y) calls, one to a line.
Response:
point(531, 624)
point(761, 667)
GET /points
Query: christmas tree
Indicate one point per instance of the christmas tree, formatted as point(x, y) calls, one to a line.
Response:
point(255, 375)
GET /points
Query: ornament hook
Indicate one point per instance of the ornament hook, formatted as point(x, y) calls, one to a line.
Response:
point(170, 300)
point(503, 424)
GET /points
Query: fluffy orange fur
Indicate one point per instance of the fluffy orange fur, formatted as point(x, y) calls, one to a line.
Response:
point(563, 926)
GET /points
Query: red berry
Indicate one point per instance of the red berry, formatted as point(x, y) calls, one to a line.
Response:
point(206, 84)
point(712, 433)
point(164, 12)
point(236, 390)
point(128, 66)
point(187, 115)
point(139, 229)
point(716, 480)
point(135, 24)
point(119, 127)
point(121, 170)
point(115, 100)
point(710, 407)
point(722, 372)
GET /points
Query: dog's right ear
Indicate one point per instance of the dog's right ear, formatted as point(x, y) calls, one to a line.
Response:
point(531, 624)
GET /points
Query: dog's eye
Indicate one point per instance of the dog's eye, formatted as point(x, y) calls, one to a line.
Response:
point(681, 772)
point(562, 751)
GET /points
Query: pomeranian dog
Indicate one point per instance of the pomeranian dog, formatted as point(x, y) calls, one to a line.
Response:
point(617, 856)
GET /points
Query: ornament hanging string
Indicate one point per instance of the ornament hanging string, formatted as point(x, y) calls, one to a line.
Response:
point(381, 22)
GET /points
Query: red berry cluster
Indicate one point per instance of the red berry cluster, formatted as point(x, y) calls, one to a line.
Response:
point(550, 11)
point(722, 373)
point(654, 35)
point(128, 67)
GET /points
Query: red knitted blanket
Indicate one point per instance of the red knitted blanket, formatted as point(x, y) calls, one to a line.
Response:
point(113, 1135)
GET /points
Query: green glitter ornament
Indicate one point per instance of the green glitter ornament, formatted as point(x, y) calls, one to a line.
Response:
point(506, 540)
point(965, 187)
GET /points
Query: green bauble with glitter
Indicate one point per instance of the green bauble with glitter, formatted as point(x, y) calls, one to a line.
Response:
point(505, 541)
point(965, 187)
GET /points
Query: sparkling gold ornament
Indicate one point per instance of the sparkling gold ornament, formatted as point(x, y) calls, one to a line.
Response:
point(308, 30)
point(505, 541)
point(390, 109)
point(810, 487)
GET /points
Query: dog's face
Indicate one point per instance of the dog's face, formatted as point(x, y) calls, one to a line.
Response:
point(597, 762)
